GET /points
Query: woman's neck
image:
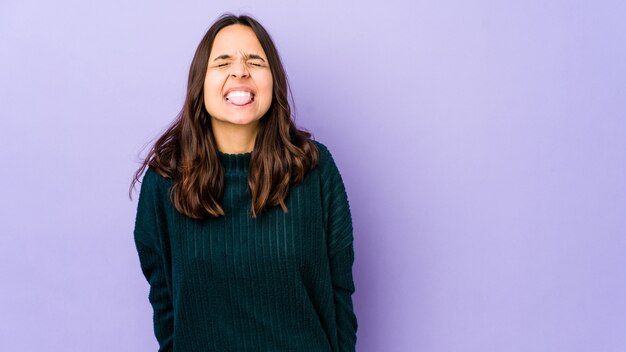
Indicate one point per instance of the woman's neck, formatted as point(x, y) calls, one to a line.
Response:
point(232, 138)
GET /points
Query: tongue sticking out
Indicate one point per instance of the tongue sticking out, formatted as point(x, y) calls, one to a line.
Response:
point(239, 100)
point(240, 97)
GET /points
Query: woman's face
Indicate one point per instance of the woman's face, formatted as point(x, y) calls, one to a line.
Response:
point(238, 82)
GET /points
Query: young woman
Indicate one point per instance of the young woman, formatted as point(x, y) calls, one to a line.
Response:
point(243, 225)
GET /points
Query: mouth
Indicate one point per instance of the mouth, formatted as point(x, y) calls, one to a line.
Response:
point(239, 97)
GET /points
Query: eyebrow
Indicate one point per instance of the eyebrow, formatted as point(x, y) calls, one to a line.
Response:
point(246, 56)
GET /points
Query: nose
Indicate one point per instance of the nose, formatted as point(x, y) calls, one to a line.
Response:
point(239, 69)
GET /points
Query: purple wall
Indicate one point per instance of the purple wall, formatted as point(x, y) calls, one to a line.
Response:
point(483, 147)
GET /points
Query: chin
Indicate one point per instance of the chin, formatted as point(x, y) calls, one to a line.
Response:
point(241, 121)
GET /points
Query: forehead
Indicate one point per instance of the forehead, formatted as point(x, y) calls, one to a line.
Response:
point(235, 40)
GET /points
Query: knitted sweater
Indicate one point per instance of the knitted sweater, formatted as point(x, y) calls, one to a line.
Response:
point(280, 282)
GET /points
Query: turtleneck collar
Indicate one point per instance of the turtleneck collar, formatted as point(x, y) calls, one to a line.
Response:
point(235, 163)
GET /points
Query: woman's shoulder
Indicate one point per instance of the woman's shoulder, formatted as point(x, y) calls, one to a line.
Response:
point(153, 180)
point(326, 163)
point(325, 155)
point(151, 176)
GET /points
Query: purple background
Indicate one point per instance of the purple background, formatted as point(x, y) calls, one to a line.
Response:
point(483, 147)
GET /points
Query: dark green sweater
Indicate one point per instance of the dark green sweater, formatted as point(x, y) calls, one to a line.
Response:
point(280, 282)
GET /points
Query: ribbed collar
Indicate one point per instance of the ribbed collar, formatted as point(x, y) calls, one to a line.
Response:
point(235, 163)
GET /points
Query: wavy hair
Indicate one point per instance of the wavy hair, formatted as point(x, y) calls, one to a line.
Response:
point(187, 151)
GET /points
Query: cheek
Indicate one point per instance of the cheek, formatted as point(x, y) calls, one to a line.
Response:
point(267, 83)
point(212, 86)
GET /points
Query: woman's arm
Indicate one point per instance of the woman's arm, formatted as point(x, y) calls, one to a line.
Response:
point(148, 232)
point(159, 297)
point(338, 222)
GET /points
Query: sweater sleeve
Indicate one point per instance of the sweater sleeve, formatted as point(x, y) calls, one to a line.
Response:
point(149, 229)
point(338, 222)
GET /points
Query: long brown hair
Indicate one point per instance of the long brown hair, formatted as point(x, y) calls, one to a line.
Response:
point(187, 151)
